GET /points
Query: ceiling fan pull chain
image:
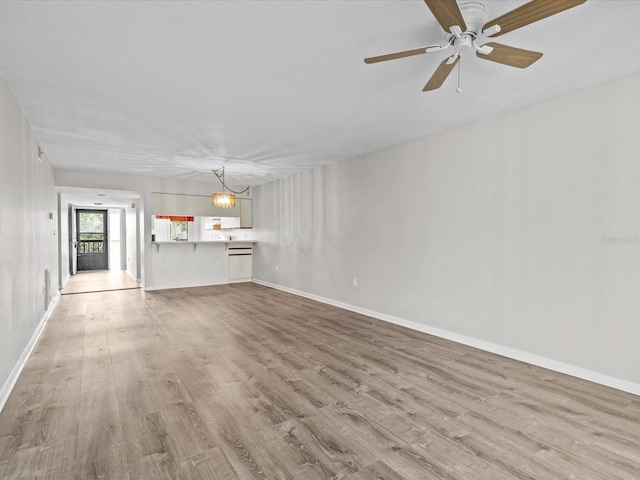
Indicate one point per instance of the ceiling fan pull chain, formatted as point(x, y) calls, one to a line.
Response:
point(459, 90)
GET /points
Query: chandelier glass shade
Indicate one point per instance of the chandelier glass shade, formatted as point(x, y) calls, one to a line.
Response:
point(223, 199)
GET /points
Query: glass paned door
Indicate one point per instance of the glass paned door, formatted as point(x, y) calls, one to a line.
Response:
point(92, 250)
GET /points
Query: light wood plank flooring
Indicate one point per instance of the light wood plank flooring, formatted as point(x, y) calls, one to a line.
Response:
point(99, 281)
point(245, 382)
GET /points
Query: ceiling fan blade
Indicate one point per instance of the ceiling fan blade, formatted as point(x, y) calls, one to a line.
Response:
point(440, 75)
point(514, 57)
point(447, 13)
point(393, 56)
point(529, 13)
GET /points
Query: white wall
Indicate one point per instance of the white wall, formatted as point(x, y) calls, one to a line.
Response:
point(29, 242)
point(521, 231)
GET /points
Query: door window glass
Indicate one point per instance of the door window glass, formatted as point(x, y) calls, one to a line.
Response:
point(91, 233)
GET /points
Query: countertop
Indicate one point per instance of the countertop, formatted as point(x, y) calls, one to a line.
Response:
point(195, 243)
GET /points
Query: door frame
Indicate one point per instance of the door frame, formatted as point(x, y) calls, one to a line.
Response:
point(73, 241)
point(105, 233)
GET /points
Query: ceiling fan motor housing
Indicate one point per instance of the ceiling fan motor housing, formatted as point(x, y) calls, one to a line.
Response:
point(475, 16)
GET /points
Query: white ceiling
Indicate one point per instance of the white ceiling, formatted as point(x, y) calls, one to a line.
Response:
point(175, 89)
point(97, 198)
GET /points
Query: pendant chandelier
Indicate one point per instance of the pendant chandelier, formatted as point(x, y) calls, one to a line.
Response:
point(224, 199)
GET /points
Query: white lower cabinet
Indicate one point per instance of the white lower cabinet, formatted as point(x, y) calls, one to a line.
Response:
point(240, 263)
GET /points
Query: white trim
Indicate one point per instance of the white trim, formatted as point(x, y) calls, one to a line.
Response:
point(566, 368)
point(6, 389)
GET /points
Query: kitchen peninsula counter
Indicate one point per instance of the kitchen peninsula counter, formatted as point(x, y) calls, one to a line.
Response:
point(194, 263)
point(199, 242)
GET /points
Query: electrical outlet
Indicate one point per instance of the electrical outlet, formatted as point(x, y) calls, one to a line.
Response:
point(355, 282)
point(276, 268)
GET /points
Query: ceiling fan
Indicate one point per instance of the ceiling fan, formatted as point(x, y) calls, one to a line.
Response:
point(466, 27)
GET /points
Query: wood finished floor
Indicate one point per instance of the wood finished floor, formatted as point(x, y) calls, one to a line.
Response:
point(245, 382)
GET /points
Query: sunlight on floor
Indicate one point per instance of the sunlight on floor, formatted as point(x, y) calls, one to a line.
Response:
point(104, 280)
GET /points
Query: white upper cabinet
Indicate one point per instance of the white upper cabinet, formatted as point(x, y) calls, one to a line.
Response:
point(193, 205)
point(245, 205)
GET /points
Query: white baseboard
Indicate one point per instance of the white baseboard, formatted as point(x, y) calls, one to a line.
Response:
point(566, 368)
point(6, 389)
